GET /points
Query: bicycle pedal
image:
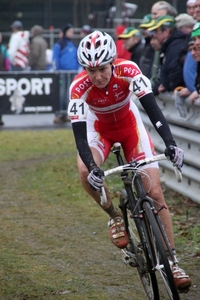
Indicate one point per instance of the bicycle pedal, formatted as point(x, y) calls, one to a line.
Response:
point(183, 291)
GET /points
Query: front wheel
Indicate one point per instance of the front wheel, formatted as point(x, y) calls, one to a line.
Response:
point(135, 253)
point(161, 262)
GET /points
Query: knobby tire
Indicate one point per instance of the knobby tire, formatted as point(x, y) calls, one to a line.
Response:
point(159, 252)
point(147, 277)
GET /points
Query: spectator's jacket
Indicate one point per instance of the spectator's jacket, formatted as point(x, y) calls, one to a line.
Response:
point(4, 58)
point(18, 49)
point(146, 59)
point(136, 52)
point(171, 69)
point(156, 70)
point(121, 50)
point(65, 55)
point(38, 47)
point(189, 72)
point(197, 79)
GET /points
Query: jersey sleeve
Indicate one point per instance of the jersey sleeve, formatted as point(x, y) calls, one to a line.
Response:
point(140, 85)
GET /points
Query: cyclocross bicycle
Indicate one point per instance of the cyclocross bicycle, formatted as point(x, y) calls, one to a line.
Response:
point(149, 249)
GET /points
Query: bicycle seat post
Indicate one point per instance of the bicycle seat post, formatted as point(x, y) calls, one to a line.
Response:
point(116, 148)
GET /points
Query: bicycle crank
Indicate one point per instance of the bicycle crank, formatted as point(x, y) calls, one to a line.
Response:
point(129, 258)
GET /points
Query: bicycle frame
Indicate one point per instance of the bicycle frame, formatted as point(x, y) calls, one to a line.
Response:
point(153, 241)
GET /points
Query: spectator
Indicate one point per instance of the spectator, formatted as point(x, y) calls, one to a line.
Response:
point(4, 56)
point(85, 30)
point(197, 10)
point(167, 9)
point(190, 8)
point(185, 23)
point(122, 52)
point(147, 56)
point(65, 59)
point(190, 65)
point(189, 71)
point(156, 66)
point(38, 47)
point(133, 42)
point(155, 7)
point(172, 42)
point(18, 47)
point(4, 64)
point(162, 8)
point(189, 74)
point(49, 61)
point(196, 55)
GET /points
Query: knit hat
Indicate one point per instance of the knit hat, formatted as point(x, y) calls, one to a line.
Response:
point(166, 21)
point(190, 2)
point(128, 32)
point(86, 29)
point(196, 30)
point(17, 24)
point(184, 20)
point(147, 22)
point(191, 42)
point(66, 27)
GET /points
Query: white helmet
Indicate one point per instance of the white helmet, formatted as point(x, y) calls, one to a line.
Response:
point(96, 49)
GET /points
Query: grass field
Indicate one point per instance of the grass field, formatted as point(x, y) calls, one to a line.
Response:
point(54, 241)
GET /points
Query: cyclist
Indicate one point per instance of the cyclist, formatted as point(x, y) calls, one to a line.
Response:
point(102, 112)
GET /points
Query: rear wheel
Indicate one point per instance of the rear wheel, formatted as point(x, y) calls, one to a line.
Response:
point(136, 256)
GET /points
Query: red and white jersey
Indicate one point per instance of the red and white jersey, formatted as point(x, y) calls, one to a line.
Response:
point(110, 113)
point(111, 104)
point(18, 49)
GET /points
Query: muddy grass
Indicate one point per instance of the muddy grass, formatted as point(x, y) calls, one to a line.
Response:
point(54, 239)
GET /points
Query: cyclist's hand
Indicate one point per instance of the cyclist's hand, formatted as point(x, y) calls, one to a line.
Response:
point(95, 179)
point(176, 155)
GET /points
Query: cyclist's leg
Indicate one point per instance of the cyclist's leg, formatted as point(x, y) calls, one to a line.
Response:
point(118, 233)
point(83, 173)
point(182, 280)
point(155, 192)
point(145, 148)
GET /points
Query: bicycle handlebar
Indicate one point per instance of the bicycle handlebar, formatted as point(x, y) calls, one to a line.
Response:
point(134, 166)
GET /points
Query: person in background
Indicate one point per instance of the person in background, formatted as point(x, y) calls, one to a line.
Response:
point(122, 52)
point(197, 10)
point(156, 66)
point(195, 51)
point(85, 30)
point(18, 47)
point(172, 41)
point(134, 43)
point(189, 70)
point(162, 8)
point(185, 23)
point(65, 59)
point(190, 64)
point(166, 9)
point(38, 47)
point(102, 112)
point(147, 56)
point(49, 61)
point(4, 64)
point(190, 8)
